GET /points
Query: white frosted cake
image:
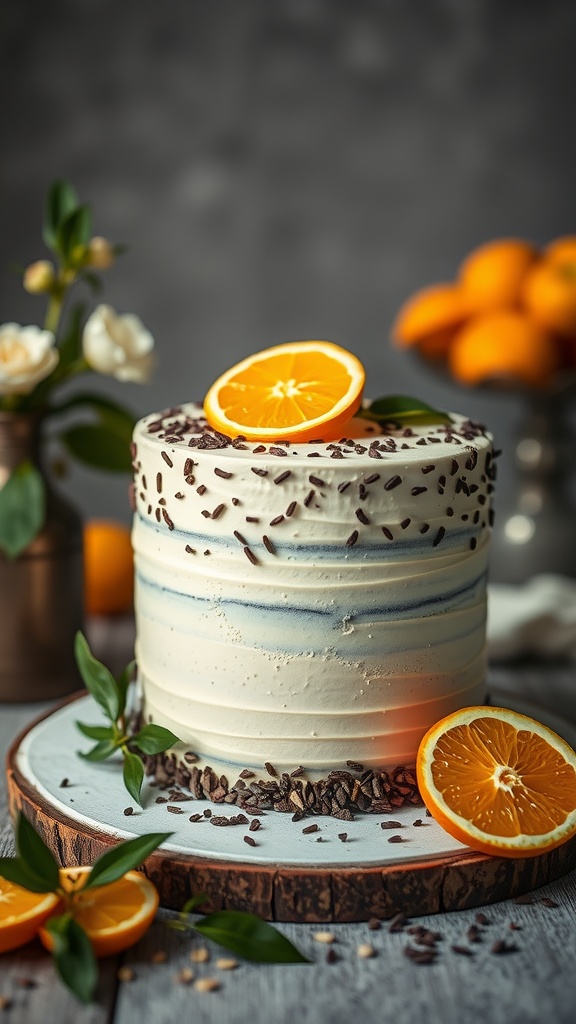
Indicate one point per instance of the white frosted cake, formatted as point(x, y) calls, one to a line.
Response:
point(313, 608)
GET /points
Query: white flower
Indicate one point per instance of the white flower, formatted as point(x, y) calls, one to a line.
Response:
point(119, 346)
point(27, 356)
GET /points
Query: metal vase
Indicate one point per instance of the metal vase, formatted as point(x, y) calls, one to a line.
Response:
point(536, 531)
point(41, 591)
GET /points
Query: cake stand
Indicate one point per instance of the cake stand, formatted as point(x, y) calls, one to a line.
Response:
point(343, 871)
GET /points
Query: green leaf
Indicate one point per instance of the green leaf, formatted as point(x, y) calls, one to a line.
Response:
point(35, 854)
point(124, 857)
point(96, 732)
point(60, 202)
point(123, 682)
point(101, 447)
point(22, 509)
point(74, 956)
point(250, 937)
point(70, 346)
point(133, 773)
point(93, 281)
point(100, 752)
point(193, 902)
point(97, 678)
point(153, 739)
point(117, 418)
point(402, 408)
point(14, 869)
point(73, 234)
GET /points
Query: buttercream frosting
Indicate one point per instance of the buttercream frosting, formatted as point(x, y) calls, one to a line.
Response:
point(307, 604)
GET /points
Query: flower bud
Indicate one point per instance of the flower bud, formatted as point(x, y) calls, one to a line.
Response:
point(100, 253)
point(39, 277)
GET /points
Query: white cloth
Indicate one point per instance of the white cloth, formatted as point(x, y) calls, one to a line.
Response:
point(537, 617)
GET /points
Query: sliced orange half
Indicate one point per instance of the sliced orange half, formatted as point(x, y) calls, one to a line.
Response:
point(300, 391)
point(113, 916)
point(499, 781)
point(22, 913)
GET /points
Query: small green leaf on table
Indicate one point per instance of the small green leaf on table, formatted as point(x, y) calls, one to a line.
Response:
point(74, 956)
point(22, 509)
point(14, 869)
point(34, 852)
point(35, 867)
point(249, 937)
point(124, 857)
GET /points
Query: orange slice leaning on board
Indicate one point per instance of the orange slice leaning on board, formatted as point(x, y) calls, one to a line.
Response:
point(300, 391)
point(499, 781)
point(22, 913)
point(114, 916)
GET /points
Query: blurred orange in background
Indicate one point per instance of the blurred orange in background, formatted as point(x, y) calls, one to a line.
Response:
point(506, 343)
point(108, 568)
point(510, 316)
point(491, 277)
point(429, 319)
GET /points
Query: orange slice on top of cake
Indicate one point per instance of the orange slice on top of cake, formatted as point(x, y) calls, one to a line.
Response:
point(297, 391)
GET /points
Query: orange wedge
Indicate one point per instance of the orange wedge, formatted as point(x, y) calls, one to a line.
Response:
point(22, 913)
point(499, 782)
point(113, 916)
point(300, 391)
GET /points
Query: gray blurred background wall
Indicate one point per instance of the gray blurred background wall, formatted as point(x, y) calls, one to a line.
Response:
point(284, 168)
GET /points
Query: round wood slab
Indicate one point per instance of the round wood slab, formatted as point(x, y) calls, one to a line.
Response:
point(78, 807)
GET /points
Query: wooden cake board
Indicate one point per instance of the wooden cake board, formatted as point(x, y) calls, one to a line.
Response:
point(79, 810)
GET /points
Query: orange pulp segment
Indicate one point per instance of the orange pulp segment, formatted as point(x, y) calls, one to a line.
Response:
point(300, 391)
point(22, 913)
point(114, 916)
point(499, 781)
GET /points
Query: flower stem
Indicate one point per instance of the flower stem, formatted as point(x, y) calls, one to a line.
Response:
point(54, 311)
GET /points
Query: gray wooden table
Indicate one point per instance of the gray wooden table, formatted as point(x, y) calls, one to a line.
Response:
point(536, 982)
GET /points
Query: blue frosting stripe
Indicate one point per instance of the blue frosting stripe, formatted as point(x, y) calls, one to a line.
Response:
point(403, 548)
point(445, 602)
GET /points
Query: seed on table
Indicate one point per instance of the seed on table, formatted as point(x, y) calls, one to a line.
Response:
point(374, 924)
point(5, 1002)
point(226, 964)
point(185, 976)
point(200, 955)
point(159, 957)
point(326, 937)
point(206, 984)
point(365, 951)
point(125, 974)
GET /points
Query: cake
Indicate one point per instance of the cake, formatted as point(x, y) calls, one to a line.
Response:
point(306, 611)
